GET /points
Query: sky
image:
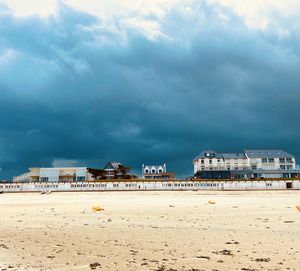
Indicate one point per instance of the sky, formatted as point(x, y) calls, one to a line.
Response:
point(87, 82)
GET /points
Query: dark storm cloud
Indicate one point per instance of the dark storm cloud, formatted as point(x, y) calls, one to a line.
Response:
point(74, 89)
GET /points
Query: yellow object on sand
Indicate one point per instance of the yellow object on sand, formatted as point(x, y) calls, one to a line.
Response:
point(211, 202)
point(97, 208)
point(298, 207)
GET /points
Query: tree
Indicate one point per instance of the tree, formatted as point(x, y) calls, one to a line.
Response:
point(124, 171)
point(97, 173)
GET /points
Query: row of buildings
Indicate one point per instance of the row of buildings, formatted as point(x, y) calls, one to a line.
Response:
point(80, 174)
point(245, 165)
point(207, 165)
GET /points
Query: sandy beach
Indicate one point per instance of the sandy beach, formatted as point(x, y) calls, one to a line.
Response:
point(150, 231)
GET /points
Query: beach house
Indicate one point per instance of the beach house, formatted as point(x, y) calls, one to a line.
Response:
point(156, 172)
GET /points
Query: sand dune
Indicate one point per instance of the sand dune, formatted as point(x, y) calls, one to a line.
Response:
point(150, 231)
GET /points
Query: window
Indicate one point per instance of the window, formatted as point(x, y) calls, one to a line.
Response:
point(271, 160)
point(282, 166)
point(254, 167)
point(153, 171)
point(146, 171)
point(219, 160)
point(281, 160)
point(80, 178)
point(210, 161)
point(289, 160)
point(202, 161)
point(264, 160)
point(44, 179)
point(288, 167)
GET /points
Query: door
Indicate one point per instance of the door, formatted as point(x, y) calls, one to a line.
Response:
point(289, 185)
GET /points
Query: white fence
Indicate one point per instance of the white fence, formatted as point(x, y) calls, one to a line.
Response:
point(152, 185)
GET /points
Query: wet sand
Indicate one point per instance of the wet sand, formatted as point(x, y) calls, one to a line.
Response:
point(150, 231)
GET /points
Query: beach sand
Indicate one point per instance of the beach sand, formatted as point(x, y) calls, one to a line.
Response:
point(150, 231)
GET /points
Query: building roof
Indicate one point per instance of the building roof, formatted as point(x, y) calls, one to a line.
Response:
point(233, 155)
point(112, 165)
point(268, 154)
point(246, 153)
point(212, 154)
point(154, 166)
point(116, 164)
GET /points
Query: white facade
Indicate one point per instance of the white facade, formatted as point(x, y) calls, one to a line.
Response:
point(158, 172)
point(151, 185)
point(62, 174)
point(272, 163)
point(221, 164)
point(248, 160)
point(209, 160)
point(154, 169)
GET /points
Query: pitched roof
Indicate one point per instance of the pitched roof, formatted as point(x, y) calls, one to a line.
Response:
point(156, 166)
point(268, 154)
point(212, 154)
point(246, 153)
point(116, 164)
point(113, 165)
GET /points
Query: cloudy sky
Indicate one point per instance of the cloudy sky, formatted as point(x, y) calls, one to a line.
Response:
point(85, 82)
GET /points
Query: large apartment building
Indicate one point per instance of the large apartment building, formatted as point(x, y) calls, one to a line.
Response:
point(246, 164)
point(62, 174)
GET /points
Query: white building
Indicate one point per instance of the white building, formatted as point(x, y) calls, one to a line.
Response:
point(254, 163)
point(210, 160)
point(62, 174)
point(154, 169)
point(156, 172)
point(270, 159)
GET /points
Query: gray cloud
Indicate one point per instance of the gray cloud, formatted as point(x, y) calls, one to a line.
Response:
point(73, 89)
